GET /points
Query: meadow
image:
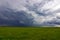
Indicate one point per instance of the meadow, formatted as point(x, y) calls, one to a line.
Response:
point(29, 33)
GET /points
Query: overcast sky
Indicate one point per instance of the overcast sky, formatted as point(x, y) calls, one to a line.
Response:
point(43, 12)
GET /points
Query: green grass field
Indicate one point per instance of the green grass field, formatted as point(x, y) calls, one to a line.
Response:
point(18, 33)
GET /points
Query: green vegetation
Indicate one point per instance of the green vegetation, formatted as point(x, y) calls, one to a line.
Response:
point(18, 33)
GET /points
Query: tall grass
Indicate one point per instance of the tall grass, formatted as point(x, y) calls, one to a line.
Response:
point(19, 33)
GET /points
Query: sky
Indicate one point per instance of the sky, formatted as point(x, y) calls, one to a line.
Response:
point(30, 12)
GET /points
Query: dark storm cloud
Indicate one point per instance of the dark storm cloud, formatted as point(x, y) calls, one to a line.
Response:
point(30, 12)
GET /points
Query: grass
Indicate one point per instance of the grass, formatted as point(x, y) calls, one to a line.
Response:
point(18, 33)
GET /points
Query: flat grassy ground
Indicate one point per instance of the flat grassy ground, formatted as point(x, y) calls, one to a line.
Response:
point(18, 33)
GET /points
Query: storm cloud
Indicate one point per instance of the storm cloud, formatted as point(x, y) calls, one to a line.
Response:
point(30, 12)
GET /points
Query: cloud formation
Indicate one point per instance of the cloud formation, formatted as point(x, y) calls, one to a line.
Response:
point(42, 12)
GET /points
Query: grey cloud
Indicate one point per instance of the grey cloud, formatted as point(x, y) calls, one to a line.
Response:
point(28, 12)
